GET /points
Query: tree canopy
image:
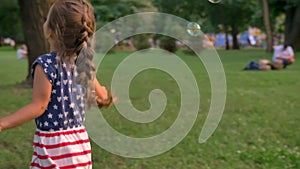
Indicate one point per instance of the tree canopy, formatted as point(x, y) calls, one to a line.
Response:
point(109, 10)
point(234, 15)
point(10, 22)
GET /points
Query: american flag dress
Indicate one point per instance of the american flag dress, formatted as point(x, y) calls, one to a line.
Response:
point(60, 140)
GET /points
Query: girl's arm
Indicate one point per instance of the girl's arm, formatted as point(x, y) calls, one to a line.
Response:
point(40, 99)
point(103, 98)
point(100, 90)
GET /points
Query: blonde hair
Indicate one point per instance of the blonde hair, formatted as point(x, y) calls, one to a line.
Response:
point(72, 26)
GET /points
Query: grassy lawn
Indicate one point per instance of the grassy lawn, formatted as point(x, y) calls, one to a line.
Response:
point(259, 128)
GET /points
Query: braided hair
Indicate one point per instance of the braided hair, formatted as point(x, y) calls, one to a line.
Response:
point(72, 26)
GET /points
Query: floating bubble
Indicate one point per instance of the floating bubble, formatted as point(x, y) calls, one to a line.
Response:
point(214, 1)
point(193, 29)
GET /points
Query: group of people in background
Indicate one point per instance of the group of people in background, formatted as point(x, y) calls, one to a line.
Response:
point(282, 57)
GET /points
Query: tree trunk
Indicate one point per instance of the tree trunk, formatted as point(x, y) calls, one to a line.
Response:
point(33, 15)
point(267, 24)
point(234, 33)
point(292, 26)
point(227, 46)
point(289, 17)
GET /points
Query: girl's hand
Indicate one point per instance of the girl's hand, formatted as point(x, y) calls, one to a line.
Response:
point(104, 98)
point(0, 126)
point(104, 93)
point(107, 102)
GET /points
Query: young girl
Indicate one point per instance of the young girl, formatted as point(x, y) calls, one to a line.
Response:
point(63, 84)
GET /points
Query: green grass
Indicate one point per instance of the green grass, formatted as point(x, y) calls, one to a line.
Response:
point(259, 128)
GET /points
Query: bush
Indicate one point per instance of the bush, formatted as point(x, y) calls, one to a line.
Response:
point(141, 42)
point(168, 44)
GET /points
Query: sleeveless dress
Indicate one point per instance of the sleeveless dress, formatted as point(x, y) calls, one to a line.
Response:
point(60, 140)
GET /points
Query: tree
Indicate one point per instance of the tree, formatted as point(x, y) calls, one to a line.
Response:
point(10, 21)
point(292, 24)
point(232, 15)
point(291, 28)
point(33, 15)
point(109, 10)
point(187, 9)
point(267, 23)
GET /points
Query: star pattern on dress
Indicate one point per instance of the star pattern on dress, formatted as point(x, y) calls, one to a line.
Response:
point(72, 105)
point(54, 76)
point(76, 112)
point(60, 116)
point(65, 82)
point(46, 123)
point(58, 83)
point(66, 107)
point(48, 61)
point(64, 65)
point(71, 120)
point(53, 91)
point(50, 115)
point(66, 98)
point(65, 122)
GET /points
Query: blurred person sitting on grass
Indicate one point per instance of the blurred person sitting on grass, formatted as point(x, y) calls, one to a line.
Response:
point(283, 56)
point(22, 52)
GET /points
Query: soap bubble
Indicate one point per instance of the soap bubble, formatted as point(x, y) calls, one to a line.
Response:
point(193, 29)
point(214, 1)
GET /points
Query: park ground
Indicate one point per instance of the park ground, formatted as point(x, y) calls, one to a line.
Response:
point(259, 128)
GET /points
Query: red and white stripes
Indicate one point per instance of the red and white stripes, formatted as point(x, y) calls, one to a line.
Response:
point(62, 150)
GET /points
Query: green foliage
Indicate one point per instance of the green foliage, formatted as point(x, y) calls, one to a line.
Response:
point(188, 51)
point(109, 10)
point(236, 13)
point(141, 41)
point(168, 44)
point(213, 15)
point(10, 22)
point(188, 9)
point(277, 9)
point(231, 13)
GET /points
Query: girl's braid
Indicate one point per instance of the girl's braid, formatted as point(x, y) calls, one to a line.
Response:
point(85, 53)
